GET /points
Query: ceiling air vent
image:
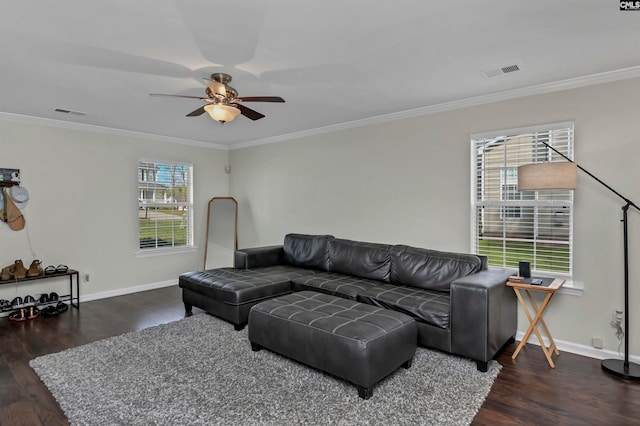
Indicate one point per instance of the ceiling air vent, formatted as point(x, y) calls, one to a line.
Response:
point(494, 72)
point(68, 111)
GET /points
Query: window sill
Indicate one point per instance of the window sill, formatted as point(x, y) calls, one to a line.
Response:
point(164, 251)
point(572, 288)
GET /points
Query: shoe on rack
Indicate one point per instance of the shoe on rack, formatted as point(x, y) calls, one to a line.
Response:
point(35, 270)
point(7, 273)
point(53, 296)
point(19, 271)
point(50, 270)
point(19, 315)
point(16, 302)
point(44, 298)
point(61, 307)
point(29, 300)
point(32, 312)
point(50, 311)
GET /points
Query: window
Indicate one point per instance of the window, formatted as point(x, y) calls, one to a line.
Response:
point(511, 225)
point(165, 207)
point(509, 192)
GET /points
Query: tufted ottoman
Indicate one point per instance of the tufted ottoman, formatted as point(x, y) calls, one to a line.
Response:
point(230, 293)
point(351, 340)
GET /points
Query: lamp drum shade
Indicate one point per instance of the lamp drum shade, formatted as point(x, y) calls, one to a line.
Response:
point(547, 176)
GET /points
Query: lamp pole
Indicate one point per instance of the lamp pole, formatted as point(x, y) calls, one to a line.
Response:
point(622, 368)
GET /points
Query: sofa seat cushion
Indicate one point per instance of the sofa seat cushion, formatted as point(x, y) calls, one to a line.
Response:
point(428, 306)
point(238, 286)
point(334, 284)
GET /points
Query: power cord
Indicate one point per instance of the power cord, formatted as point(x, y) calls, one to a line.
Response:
point(619, 330)
point(619, 334)
point(34, 255)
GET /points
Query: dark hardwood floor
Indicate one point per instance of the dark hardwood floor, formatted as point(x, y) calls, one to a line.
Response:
point(527, 391)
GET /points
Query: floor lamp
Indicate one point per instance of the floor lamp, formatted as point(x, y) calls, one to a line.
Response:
point(563, 176)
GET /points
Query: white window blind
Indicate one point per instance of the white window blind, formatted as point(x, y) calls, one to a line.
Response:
point(510, 225)
point(165, 206)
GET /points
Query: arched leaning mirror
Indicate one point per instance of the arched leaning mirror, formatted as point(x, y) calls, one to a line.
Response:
point(222, 232)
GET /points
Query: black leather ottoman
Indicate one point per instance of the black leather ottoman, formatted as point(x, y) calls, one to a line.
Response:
point(230, 293)
point(351, 340)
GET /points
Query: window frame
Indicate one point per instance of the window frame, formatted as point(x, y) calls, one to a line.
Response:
point(542, 209)
point(185, 205)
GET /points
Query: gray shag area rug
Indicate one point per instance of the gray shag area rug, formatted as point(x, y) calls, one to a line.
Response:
point(199, 371)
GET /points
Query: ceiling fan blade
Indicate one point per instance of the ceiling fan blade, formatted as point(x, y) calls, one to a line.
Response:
point(248, 112)
point(216, 88)
point(179, 96)
point(196, 112)
point(261, 99)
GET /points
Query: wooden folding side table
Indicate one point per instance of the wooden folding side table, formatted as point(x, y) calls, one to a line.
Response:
point(550, 290)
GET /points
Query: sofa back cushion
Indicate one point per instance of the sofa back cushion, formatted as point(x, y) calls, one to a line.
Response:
point(431, 269)
point(307, 251)
point(359, 259)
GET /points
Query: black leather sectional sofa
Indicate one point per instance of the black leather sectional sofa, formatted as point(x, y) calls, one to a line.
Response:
point(459, 304)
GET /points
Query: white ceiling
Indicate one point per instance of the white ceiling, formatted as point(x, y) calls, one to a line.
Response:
point(334, 61)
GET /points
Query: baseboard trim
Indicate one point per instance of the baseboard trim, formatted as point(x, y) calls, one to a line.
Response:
point(575, 348)
point(118, 292)
point(127, 290)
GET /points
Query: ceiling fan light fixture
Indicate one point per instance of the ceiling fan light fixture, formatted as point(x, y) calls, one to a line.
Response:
point(221, 112)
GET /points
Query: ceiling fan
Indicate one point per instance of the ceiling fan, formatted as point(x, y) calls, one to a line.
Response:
point(222, 101)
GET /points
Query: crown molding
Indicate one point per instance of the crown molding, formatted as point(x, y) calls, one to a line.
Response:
point(572, 83)
point(107, 130)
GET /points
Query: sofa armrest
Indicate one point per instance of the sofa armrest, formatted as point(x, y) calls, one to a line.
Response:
point(484, 313)
point(258, 256)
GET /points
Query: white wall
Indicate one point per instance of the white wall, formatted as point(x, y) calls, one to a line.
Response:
point(408, 181)
point(83, 206)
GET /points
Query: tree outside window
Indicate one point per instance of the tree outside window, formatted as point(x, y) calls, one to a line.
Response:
point(165, 208)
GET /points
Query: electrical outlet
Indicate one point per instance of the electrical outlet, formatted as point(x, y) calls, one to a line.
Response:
point(596, 342)
point(86, 277)
point(618, 316)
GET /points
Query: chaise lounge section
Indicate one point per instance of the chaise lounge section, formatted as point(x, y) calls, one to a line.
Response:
point(459, 304)
point(230, 293)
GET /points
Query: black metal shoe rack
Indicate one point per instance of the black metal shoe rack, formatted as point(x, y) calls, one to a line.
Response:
point(73, 297)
